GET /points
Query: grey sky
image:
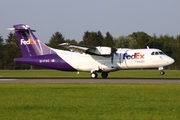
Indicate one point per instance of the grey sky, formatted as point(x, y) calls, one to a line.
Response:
point(73, 17)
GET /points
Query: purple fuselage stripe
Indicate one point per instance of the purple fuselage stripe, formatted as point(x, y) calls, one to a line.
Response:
point(52, 61)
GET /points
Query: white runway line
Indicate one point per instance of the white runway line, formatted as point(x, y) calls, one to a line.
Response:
point(8, 79)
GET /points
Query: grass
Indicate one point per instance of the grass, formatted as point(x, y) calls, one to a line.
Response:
point(89, 102)
point(62, 74)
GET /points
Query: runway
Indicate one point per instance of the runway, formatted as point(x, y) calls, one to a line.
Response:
point(95, 81)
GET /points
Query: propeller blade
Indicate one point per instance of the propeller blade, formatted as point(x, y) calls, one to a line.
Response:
point(113, 50)
point(112, 57)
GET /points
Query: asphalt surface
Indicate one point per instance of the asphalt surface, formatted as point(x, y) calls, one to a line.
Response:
point(95, 81)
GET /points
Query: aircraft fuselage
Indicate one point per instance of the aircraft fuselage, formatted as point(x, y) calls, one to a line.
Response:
point(123, 59)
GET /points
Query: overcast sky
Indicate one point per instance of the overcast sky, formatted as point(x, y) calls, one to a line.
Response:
point(73, 17)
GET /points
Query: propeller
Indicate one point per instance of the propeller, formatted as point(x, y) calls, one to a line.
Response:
point(113, 51)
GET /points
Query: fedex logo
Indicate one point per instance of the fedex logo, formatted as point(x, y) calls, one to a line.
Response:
point(27, 42)
point(134, 56)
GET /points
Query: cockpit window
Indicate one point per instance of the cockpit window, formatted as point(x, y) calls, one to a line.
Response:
point(152, 53)
point(161, 53)
point(157, 53)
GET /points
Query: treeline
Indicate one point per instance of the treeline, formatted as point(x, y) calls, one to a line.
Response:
point(170, 45)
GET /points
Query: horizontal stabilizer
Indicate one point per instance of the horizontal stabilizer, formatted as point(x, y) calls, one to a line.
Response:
point(11, 29)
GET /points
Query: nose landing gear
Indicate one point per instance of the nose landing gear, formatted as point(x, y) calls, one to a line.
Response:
point(162, 72)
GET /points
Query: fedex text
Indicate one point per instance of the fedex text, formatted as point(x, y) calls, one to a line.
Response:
point(27, 42)
point(134, 56)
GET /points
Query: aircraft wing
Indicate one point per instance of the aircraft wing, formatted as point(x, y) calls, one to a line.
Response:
point(92, 50)
point(78, 46)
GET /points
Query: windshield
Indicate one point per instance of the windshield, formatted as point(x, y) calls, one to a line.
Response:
point(157, 53)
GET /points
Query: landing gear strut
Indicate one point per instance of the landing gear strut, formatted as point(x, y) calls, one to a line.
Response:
point(161, 70)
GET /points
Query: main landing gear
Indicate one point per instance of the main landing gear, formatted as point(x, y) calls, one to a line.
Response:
point(95, 75)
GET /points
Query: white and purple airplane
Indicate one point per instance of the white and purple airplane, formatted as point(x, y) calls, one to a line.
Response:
point(92, 59)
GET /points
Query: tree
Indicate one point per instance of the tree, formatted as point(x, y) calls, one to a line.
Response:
point(125, 42)
point(71, 41)
point(166, 44)
point(1, 41)
point(99, 39)
point(154, 42)
point(1, 52)
point(11, 51)
point(108, 40)
point(92, 38)
point(55, 40)
point(142, 39)
point(176, 52)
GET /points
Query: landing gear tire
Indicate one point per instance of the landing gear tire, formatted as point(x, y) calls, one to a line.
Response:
point(162, 72)
point(94, 75)
point(104, 74)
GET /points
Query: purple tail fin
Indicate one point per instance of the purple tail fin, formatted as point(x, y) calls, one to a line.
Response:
point(29, 44)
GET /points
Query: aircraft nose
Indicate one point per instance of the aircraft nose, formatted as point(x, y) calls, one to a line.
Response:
point(170, 60)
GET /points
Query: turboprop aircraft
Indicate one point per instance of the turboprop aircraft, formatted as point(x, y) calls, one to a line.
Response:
point(92, 59)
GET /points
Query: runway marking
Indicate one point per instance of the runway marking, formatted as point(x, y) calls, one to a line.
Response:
point(8, 79)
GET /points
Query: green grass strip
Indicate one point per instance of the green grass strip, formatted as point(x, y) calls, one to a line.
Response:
point(89, 102)
point(62, 74)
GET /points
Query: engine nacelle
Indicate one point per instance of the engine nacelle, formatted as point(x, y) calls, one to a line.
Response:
point(103, 50)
